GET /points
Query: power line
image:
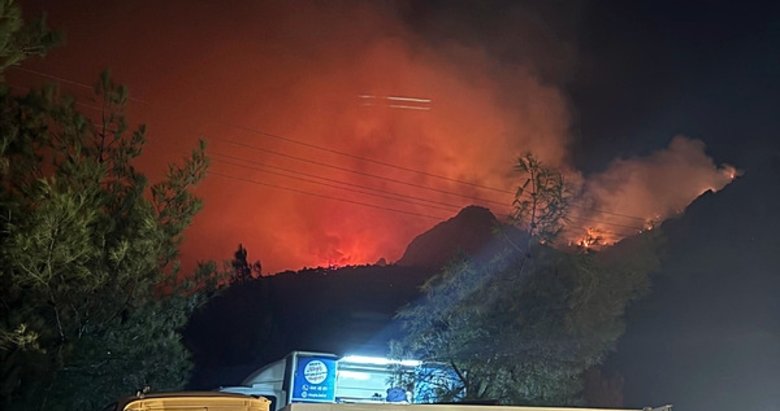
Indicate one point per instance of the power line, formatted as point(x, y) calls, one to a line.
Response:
point(67, 81)
point(349, 170)
point(389, 197)
point(78, 103)
point(585, 219)
point(590, 209)
point(262, 167)
point(398, 167)
point(438, 218)
point(391, 165)
point(607, 232)
point(326, 149)
point(596, 210)
point(394, 195)
point(389, 193)
point(53, 77)
point(295, 190)
point(569, 226)
point(361, 158)
point(600, 230)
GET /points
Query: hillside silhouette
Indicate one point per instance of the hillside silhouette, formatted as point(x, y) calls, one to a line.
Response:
point(340, 310)
point(345, 310)
point(466, 233)
point(706, 338)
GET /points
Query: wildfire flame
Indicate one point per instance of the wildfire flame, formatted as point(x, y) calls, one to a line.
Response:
point(731, 172)
point(593, 238)
point(343, 60)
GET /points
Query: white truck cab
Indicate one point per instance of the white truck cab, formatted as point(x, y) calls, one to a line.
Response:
point(314, 381)
point(315, 377)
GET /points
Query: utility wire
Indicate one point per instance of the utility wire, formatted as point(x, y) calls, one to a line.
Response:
point(387, 194)
point(326, 149)
point(589, 209)
point(452, 207)
point(361, 158)
point(263, 167)
point(352, 190)
point(349, 170)
point(360, 203)
point(78, 103)
point(53, 77)
point(295, 190)
point(601, 211)
point(599, 231)
point(586, 219)
point(398, 167)
point(390, 195)
point(67, 81)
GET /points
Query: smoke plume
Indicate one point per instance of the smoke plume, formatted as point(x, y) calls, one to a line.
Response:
point(316, 113)
point(362, 83)
point(635, 194)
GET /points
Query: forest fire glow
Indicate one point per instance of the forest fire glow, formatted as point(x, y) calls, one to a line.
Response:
point(593, 238)
point(637, 194)
point(393, 126)
point(383, 135)
point(427, 163)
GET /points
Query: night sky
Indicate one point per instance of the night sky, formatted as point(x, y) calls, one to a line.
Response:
point(645, 105)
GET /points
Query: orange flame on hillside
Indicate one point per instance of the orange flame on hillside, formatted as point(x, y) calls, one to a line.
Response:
point(637, 194)
point(296, 71)
point(593, 238)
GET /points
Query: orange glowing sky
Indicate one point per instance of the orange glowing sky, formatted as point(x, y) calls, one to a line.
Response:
point(297, 70)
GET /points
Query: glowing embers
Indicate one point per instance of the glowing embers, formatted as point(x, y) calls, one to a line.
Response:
point(594, 238)
point(395, 102)
point(651, 223)
point(731, 172)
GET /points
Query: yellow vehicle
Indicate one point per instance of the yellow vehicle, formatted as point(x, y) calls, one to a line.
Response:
point(191, 401)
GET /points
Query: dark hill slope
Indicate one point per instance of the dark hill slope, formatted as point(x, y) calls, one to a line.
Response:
point(466, 233)
point(347, 310)
point(708, 336)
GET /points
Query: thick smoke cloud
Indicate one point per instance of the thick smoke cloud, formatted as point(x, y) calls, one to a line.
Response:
point(643, 191)
point(298, 70)
point(307, 82)
point(301, 74)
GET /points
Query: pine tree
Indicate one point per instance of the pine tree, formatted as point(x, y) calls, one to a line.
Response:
point(241, 270)
point(19, 40)
point(90, 296)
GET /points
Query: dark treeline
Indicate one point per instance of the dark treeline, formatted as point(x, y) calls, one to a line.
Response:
point(333, 310)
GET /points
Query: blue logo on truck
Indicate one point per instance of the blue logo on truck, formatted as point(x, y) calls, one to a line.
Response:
point(314, 380)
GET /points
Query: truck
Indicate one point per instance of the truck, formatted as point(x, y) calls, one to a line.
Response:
point(214, 401)
point(446, 407)
point(316, 381)
point(304, 376)
point(190, 401)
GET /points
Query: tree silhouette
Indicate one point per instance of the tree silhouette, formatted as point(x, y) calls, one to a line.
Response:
point(242, 270)
point(541, 200)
